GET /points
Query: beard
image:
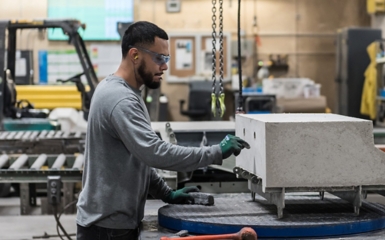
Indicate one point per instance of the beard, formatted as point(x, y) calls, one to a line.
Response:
point(147, 77)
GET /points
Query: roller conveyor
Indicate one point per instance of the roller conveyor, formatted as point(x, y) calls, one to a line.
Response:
point(36, 142)
point(28, 170)
point(36, 168)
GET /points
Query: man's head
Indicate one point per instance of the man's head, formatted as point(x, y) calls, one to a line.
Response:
point(145, 47)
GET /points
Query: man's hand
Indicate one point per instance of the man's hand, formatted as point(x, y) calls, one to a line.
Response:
point(232, 145)
point(181, 196)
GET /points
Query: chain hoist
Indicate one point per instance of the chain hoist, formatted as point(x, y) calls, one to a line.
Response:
point(240, 97)
point(217, 97)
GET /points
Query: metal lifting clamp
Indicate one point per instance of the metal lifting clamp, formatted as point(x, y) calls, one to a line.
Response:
point(218, 104)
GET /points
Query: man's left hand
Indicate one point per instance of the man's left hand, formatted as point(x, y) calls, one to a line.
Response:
point(181, 196)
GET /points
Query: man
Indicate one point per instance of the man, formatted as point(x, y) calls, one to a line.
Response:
point(122, 150)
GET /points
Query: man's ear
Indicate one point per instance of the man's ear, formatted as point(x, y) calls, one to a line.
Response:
point(133, 54)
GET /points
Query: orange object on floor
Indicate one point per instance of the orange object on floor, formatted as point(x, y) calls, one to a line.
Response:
point(246, 233)
point(381, 147)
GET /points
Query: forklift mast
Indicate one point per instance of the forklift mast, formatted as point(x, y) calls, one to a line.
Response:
point(3, 27)
point(70, 28)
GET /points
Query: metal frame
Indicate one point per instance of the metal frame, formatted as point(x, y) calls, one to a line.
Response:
point(28, 168)
point(28, 171)
point(352, 194)
point(36, 142)
point(70, 27)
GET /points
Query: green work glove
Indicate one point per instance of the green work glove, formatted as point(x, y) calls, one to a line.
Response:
point(232, 145)
point(181, 196)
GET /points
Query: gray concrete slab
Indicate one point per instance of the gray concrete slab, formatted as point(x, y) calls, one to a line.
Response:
point(310, 150)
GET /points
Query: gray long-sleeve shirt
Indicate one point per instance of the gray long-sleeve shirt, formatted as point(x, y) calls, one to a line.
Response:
point(121, 153)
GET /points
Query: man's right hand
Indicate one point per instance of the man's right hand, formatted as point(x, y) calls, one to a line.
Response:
point(232, 145)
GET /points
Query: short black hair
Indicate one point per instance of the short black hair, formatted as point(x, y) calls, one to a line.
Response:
point(141, 32)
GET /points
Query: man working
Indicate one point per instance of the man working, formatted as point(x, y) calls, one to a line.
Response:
point(122, 149)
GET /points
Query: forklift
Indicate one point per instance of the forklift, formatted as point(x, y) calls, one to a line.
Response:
point(9, 107)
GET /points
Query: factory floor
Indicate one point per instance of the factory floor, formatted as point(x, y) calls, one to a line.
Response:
point(13, 226)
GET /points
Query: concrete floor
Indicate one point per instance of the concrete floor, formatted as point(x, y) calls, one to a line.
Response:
point(13, 226)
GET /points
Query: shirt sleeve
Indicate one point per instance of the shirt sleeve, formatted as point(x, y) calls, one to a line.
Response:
point(158, 187)
point(129, 121)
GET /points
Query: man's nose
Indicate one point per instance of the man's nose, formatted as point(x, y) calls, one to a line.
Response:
point(164, 67)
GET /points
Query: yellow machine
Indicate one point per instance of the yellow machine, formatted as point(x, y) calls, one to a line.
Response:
point(50, 96)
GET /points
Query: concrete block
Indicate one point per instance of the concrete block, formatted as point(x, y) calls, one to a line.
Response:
point(310, 150)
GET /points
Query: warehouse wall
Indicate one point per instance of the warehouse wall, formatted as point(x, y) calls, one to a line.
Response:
point(303, 29)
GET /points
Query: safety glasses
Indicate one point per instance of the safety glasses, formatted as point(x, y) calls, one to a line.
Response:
point(158, 58)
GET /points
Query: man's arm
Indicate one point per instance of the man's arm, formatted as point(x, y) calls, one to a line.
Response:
point(160, 190)
point(158, 187)
point(131, 125)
